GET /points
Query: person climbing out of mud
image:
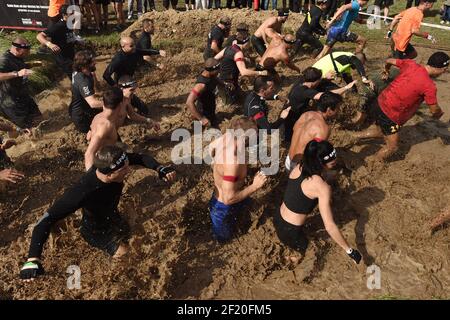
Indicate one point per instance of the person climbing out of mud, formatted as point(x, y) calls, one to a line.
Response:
point(104, 131)
point(341, 64)
point(201, 101)
point(145, 41)
point(7, 173)
point(400, 100)
point(61, 41)
point(126, 60)
point(16, 103)
point(255, 106)
point(216, 38)
point(230, 171)
point(305, 190)
point(97, 194)
point(270, 28)
point(338, 27)
point(84, 105)
point(129, 85)
point(312, 125)
point(311, 27)
point(302, 92)
point(232, 65)
point(276, 52)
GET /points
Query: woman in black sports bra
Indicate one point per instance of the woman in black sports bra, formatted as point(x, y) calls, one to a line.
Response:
point(305, 190)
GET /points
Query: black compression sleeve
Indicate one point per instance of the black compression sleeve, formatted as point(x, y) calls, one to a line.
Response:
point(145, 160)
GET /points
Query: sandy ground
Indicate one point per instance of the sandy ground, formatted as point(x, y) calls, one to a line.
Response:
point(383, 210)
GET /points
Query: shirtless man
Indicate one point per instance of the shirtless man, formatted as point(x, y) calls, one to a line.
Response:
point(270, 28)
point(104, 129)
point(229, 178)
point(276, 52)
point(312, 125)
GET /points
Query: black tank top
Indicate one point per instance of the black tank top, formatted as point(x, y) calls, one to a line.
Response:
point(294, 198)
point(228, 67)
point(207, 97)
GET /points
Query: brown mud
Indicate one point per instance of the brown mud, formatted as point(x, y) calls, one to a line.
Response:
point(382, 209)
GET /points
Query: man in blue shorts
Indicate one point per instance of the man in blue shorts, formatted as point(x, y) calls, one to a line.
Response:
point(338, 27)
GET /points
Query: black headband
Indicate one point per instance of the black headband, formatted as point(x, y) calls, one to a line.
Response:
point(129, 84)
point(21, 45)
point(212, 68)
point(329, 157)
point(244, 41)
point(118, 164)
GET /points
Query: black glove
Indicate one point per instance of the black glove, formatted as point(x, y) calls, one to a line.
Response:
point(31, 269)
point(355, 255)
point(163, 171)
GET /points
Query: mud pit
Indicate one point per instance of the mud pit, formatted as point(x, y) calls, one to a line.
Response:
point(383, 210)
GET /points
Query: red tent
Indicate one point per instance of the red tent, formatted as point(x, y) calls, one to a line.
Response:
point(23, 14)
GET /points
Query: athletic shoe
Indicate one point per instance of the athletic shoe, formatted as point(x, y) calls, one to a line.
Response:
point(130, 16)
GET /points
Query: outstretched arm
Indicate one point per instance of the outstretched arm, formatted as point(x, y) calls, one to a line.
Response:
point(339, 13)
point(324, 195)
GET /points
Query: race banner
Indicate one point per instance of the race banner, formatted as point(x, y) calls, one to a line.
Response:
point(23, 14)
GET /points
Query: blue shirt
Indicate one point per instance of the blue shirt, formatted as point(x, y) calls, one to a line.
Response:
point(348, 17)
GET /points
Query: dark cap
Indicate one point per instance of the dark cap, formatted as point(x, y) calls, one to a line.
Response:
point(439, 60)
point(321, 1)
point(283, 13)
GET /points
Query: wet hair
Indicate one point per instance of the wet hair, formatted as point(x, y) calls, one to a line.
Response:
point(328, 100)
point(112, 98)
point(243, 123)
point(261, 82)
point(316, 151)
point(312, 74)
point(107, 156)
point(82, 59)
